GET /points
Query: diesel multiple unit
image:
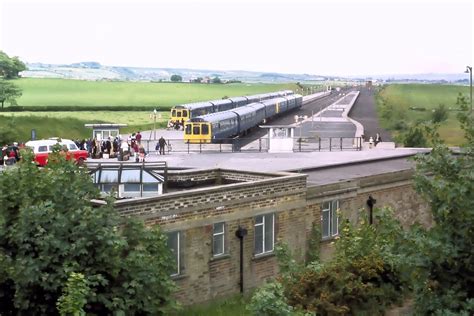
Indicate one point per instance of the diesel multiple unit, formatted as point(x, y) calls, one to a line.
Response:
point(182, 113)
point(221, 126)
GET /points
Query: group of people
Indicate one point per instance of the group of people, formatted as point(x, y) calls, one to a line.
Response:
point(120, 148)
point(375, 140)
point(176, 125)
point(10, 154)
point(113, 147)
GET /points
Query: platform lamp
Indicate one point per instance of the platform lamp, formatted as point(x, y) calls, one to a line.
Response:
point(469, 71)
point(154, 124)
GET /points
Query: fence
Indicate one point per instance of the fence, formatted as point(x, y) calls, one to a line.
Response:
point(304, 144)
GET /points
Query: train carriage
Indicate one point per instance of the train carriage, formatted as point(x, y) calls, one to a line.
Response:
point(249, 116)
point(239, 101)
point(222, 105)
point(211, 127)
point(184, 112)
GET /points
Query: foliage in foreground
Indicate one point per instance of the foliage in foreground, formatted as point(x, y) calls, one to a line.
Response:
point(375, 266)
point(58, 250)
point(444, 274)
point(363, 277)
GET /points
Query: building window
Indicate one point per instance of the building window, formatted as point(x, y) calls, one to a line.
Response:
point(330, 219)
point(174, 246)
point(264, 233)
point(218, 239)
point(131, 187)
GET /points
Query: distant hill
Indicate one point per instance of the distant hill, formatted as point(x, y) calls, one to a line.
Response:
point(91, 70)
point(95, 71)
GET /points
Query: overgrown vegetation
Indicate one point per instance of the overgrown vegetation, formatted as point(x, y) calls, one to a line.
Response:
point(401, 108)
point(60, 253)
point(363, 277)
point(376, 266)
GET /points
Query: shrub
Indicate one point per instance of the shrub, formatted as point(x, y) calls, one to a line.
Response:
point(440, 114)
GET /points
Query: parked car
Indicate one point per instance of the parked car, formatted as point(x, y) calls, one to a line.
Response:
point(42, 148)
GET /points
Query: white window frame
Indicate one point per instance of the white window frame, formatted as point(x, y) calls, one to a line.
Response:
point(178, 256)
point(332, 211)
point(264, 224)
point(214, 235)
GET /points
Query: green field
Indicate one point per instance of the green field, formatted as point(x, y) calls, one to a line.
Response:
point(63, 92)
point(427, 96)
point(70, 124)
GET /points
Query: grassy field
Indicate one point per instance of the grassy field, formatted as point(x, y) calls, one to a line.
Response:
point(428, 97)
point(70, 124)
point(55, 92)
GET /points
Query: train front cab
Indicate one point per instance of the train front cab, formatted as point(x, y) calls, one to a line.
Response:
point(178, 114)
point(197, 132)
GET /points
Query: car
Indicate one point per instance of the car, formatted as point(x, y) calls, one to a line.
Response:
point(42, 148)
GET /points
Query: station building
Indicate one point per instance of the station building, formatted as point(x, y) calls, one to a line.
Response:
point(217, 219)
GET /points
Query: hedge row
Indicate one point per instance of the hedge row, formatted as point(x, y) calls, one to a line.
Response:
point(62, 108)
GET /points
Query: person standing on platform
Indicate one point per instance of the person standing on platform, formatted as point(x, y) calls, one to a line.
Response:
point(162, 143)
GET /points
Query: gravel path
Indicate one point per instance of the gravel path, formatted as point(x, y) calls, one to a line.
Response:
point(364, 112)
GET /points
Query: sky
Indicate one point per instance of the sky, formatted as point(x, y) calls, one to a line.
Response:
point(326, 37)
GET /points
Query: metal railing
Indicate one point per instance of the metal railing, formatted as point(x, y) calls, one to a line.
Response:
point(304, 144)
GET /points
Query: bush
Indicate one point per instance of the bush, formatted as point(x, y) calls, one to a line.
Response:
point(366, 275)
point(270, 301)
point(440, 114)
point(414, 137)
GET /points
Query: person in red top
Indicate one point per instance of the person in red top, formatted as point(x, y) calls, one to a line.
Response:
point(138, 137)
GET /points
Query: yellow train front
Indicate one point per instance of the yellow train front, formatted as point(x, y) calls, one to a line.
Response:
point(211, 128)
point(182, 113)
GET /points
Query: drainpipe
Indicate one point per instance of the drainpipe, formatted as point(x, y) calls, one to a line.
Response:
point(241, 233)
point(371, 202)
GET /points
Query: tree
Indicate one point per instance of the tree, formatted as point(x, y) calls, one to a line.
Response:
point(444, 272)
point(54, 241)
point(8, 131)
point(8, 92)
point(216, 80)
point(176, 78)
point(10, 67)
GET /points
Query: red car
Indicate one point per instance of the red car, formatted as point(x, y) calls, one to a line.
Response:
point(42, 148)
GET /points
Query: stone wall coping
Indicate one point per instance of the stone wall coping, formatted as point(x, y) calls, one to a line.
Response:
point(277, 174)
point(356, 184)
point(227, 187)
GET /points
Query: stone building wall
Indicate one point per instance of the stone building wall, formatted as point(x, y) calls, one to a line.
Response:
point(394, 190)
point(295, 206)
point(193, 213)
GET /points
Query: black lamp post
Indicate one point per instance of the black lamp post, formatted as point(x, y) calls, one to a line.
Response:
point(469, 71)
point(371, 202)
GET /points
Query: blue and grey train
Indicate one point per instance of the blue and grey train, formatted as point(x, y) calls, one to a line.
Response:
point(183, 112)
point(217, 127)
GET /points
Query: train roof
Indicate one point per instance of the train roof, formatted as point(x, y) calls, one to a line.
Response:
point(292, 96)
point(252, 107)
point(213, 117)
point(219, 102)
point(274, 100)
point(193, 106)
point(237, 99)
